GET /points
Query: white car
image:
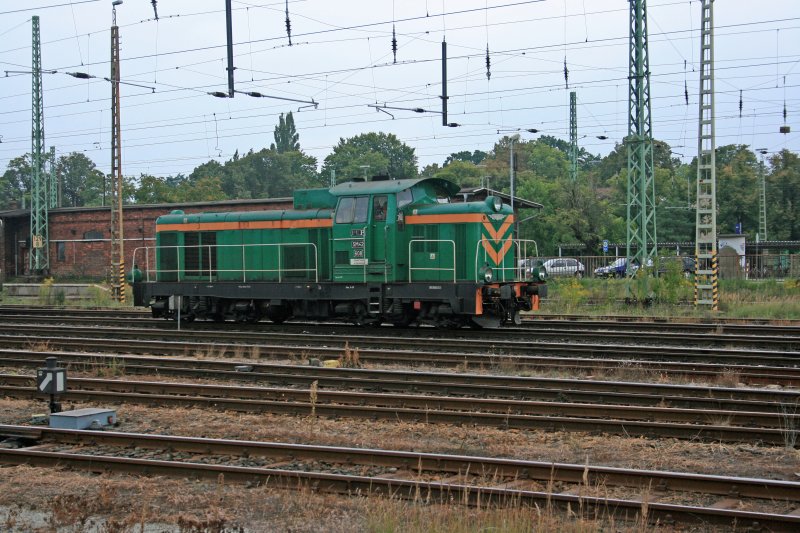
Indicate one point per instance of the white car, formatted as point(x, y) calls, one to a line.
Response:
point(564, 266)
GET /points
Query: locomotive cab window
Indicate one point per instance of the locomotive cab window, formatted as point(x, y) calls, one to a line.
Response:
point(379, 206)
point(352, 210)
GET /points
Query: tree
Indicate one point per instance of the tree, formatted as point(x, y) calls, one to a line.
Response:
point(286, 136)
point(82, 184)
point(15, 182)
point(384, 153)
point(783, 197)
point(475, 157)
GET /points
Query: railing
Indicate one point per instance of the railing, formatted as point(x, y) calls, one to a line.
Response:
point(215, 271)
point(363, 239)
point(412, 268)
point(519, 250)
point(749, 266)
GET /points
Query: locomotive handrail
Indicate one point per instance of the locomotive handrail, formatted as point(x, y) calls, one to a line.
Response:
point(521, 246)
point(212, 271)
point(412, 268)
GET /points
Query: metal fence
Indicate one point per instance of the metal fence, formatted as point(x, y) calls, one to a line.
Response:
point(751, 266)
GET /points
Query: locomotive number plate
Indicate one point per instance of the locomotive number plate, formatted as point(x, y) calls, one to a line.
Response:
point(357, 232)
point(358, 244)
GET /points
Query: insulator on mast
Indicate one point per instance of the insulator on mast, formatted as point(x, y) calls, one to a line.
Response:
point(394, 44)
point(566, 73)
point(740, 103)
point(488, 64)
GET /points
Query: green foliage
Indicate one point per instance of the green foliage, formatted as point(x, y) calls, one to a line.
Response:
point(15, 182)
point(81, 182)
point(383, 153)
point(466, 156)
point(286, 136)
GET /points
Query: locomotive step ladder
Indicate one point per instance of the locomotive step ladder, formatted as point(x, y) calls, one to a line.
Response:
point(374, 303)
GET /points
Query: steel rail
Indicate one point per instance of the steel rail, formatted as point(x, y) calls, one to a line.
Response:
point(416, 490)
point(473, 385)
point(600, 357)
point(777, 337)
point(428, 402)
point(417, 462)
point(629, 421)
point(494, 346)
point(745, 373)
point(534, 319)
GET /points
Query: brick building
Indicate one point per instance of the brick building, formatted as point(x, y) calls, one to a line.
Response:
point(80, 243)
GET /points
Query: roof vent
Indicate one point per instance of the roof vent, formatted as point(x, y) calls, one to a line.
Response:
point(380, 177)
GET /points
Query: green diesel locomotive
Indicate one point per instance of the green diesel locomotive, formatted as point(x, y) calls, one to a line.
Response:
point(383, 251)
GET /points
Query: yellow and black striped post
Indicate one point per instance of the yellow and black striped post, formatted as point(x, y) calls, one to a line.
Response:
point(714, 281)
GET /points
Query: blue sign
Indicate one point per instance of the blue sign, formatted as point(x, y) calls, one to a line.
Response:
point(738, 228)
point(605, 246)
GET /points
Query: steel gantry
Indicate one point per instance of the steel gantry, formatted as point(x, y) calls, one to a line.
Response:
point(706, 291)
point(641, 209)
point(39, 256)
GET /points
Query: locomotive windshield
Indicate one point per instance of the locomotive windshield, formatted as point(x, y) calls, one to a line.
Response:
point(352, 210)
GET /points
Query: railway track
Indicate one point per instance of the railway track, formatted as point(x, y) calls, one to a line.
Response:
point(436, 383)
point(751, 367)
point(694, 424)
point(420, 476)
point(620, 333)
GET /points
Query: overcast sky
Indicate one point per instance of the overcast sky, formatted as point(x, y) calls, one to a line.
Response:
point(341, 58)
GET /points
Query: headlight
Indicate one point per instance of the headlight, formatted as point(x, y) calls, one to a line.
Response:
point(542, 275)
point(497, 203)
point(487, 274)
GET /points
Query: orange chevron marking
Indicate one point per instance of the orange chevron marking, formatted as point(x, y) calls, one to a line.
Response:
point(497, 255)
point(496, 235)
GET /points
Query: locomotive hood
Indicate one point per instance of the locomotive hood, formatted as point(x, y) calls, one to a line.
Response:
point(392, 186)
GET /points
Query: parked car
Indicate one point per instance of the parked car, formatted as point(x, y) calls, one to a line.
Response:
point(613, 270)
point(564, 266)
point(685, 263)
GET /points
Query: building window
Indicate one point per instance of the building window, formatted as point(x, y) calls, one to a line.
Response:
point(93, 235)
point(61, 251)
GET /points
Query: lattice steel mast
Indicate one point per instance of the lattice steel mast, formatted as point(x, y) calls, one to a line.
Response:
point(573, 136)
point(641, 212)
point(39, 256)
point(117, 242)
point(706, 290)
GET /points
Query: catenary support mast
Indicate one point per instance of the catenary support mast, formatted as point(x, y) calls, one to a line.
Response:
point(641, 210)
point(706, 290)
point(39, 256)
point(117, 242)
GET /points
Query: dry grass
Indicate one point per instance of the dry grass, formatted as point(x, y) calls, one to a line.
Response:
point(350, 358)
point(37, 346)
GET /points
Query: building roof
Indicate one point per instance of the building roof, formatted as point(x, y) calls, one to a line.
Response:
point(13, 213)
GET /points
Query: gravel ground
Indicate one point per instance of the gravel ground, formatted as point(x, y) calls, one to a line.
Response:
point(61, 500)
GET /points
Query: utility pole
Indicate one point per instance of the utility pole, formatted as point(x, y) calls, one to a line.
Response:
point(573, 136)
point(641, 211)
point(511, 170)
point(117, 234)
point(39, 256)
point(706, 288)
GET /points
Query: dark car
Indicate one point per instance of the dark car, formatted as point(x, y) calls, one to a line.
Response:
point(613, 270)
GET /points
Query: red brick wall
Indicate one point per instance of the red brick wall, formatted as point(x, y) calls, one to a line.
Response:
point(91, 258)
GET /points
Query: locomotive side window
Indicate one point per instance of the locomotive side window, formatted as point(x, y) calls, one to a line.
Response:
point(352, 210)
